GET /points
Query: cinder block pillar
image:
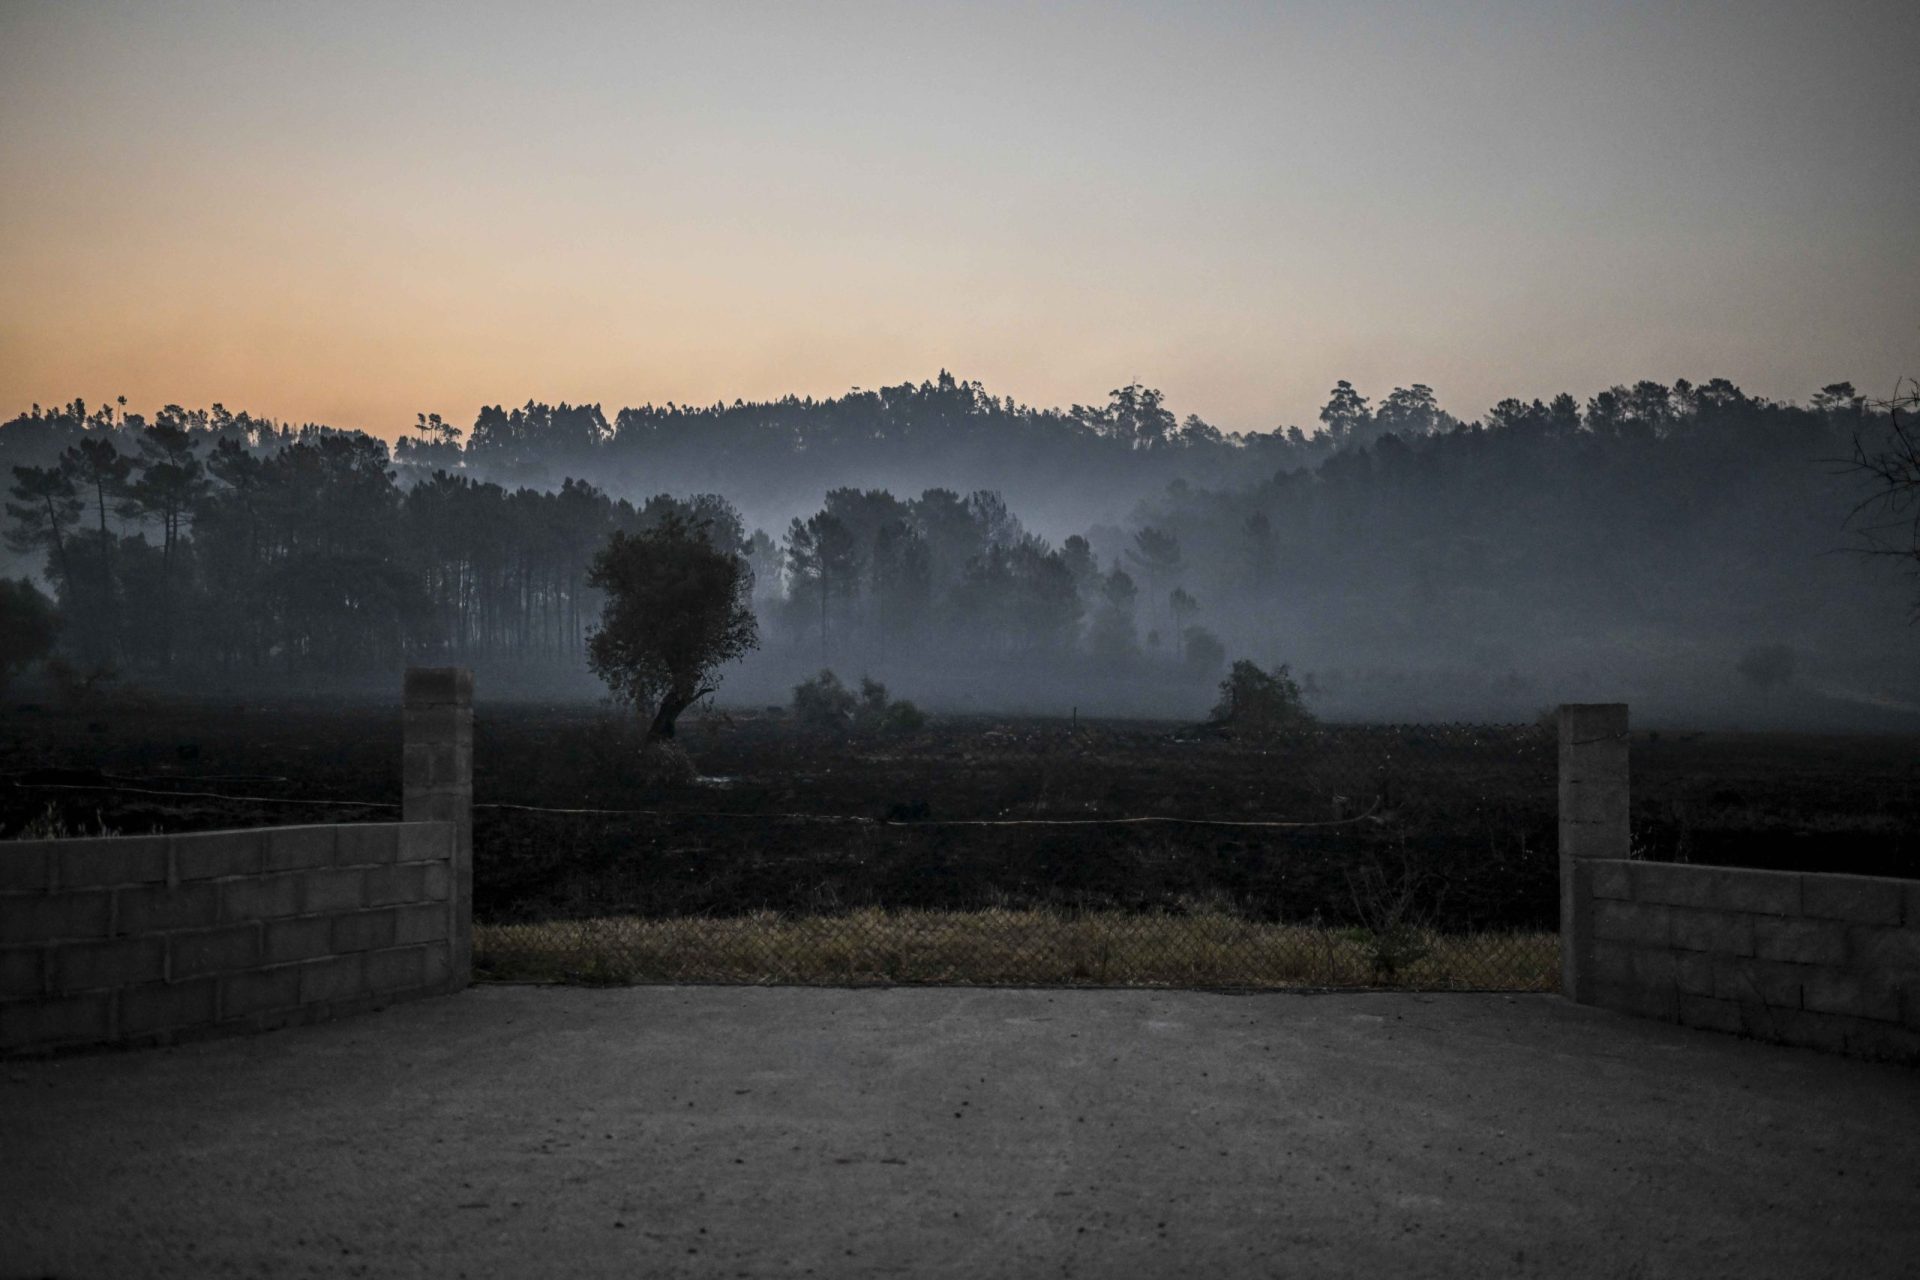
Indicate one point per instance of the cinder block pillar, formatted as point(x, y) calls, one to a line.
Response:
point(1593, 824)
point(439, 787)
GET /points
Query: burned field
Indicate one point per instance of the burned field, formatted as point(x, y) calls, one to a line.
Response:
point(1449, 826)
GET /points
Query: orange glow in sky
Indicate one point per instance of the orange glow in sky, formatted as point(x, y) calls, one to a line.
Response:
point(351, 213)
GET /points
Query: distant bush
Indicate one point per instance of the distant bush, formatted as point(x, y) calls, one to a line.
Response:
point(823, 704)
point(879, 714)
point(1256, 701)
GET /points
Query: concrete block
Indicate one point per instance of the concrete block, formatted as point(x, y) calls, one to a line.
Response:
point(284, 940)
point(1596, 799)
point(1857, 899)
point(1696, 972)
point(1910, 1004)
point(1654, 967)
point(1710, 1014)
point(1851, 994)
point(1642, 1002)
point(208, 855)
point(1727, 932)
point(26, 864)
point(439, 967)
point(1638, 923)
point(354, 1006)
point(43, 1024)
point(1760, 982)
point(1884, 1042)
point(403, 883)
point(1883, 950)
point(343, 889)
point(1800, 941)
point(1607, 961)
point(244, 995)
point(157, 908)
point(1610, 840)
point(363, 931)
point(166, 1006)
point(399, 969)
point(1717, 888)
point(441, 726)
point(444, 766)
point(260, 898)
point(43, 918)
point(437, 884)
point(366, 843)
point(1593, 731)
point(1911, 917)
point(110, 861)
point(23, 970)
point(426, 841)
point(278, 1019)
point(1610, 878)
point(424, 923)
point(332, 979)
point(298, 848)
point(1812, 1030)
point(84, 966)
point(213, 951)
point(439, 686)
point(1762, 1021)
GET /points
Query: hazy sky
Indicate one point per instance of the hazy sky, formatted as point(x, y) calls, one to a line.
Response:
point(353, 212)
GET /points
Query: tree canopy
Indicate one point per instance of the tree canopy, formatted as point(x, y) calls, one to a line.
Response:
point(676, 610)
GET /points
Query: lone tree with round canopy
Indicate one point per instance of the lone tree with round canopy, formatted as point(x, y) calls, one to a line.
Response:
point(677, 608)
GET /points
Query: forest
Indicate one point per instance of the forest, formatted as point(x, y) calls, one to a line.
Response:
point(1686, 546)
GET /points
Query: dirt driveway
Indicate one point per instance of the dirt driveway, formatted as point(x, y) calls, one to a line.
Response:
point(783, 1132)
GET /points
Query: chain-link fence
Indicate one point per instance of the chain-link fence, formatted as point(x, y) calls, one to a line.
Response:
point(1847, 803)
point(995, 853)
point(992, 851)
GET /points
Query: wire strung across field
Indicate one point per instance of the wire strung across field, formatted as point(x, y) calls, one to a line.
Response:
point(200, 795)
point(1371, 815)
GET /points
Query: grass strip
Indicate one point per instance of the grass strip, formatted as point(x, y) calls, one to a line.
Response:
point(1011, 948)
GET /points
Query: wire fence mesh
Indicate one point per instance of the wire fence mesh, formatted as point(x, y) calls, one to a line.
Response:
point(980, 850)
point(1332, 856)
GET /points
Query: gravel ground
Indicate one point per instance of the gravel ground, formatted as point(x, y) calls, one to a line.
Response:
point(739, 1131)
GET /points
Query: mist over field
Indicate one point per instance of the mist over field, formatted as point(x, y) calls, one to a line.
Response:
point(1683, 547)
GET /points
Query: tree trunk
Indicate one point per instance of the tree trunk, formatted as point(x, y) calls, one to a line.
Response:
point(670, 708)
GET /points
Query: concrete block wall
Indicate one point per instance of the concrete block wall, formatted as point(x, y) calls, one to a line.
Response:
point(152, 939)
point(1825, 961)
point(149, 939)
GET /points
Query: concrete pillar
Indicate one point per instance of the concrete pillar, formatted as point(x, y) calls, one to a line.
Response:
point(438, 771)
point(1593, 824)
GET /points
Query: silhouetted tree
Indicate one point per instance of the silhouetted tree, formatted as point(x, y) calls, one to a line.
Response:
point(28, 625)
point(44, 508)
point(676, 610)
point(1888, 518)
point(1256, 701)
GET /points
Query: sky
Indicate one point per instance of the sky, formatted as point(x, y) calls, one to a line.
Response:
point(353, 213)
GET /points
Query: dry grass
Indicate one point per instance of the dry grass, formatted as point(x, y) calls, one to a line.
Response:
point(1003, 947)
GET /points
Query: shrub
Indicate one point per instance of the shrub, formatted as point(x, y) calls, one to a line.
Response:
point(826, 705)
point(878, 713)
point(1256, 701)
point(823, 704)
